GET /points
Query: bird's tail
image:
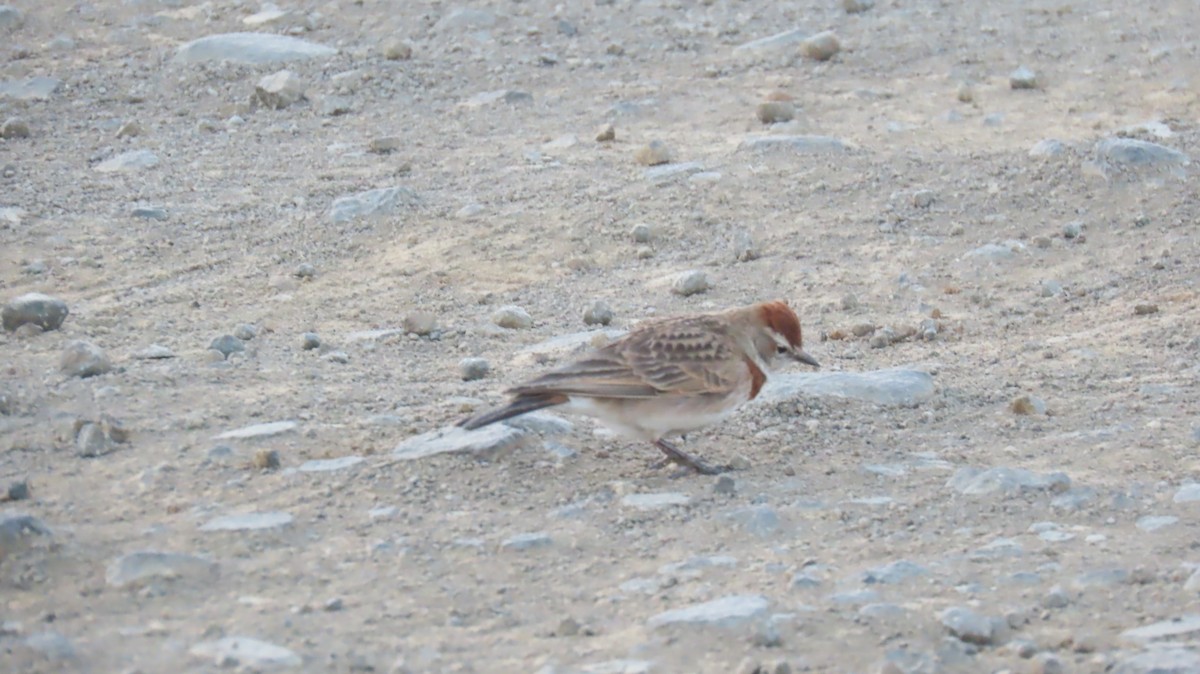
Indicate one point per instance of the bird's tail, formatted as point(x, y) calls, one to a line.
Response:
point(521, 405)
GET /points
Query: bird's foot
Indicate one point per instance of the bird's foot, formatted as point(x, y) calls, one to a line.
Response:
point(682, 458)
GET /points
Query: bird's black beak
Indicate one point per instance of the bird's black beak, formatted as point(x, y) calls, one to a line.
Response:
point(803, 357)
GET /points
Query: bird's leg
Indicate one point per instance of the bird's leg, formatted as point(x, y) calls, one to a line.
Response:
point(676, 455)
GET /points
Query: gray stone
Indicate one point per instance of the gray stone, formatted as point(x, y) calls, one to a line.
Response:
point(267, 15)
point(137, 568)
point(1001, 548)
point(310, 341)
point(1151, 523)
point(11, 18)
point(227, 344)
point(1047, 147)
point(1166, 659)
point(557, 347)
point(250, 48)
point(150, 213)
point(881, 387)
point(530, 541)
point(258, 431)
point(465, 19)
point(471, 369)
point(690, 283)
point(44, 311)
point(30, 89)
point(995, 252)
point(641, 233)
point(17, 491)
point(377, 202)
point(655, 501)
point(775, 112)
point(757, 520)
point(821, 47)
point(134, 160)
point(1074, 499)
point(923, 198)
point(1188, 493)
point(805, 145)
point(1136, 157)
point(854, 598)
point(512, 318)
point(91, 441)
point(279, 90)
point(667, 172)
point(1006, 481)
point(857, 6)
point(328, 465)
point(1022, 78)
point(491, 98)
point(483, 442)
point(599, 313)
point(256, 521)
point(15, 527)
point(894, 573)
point(246, 654)
point(14, 128)
point(725, 612)
point(245, 332)
point(52, 646)
point(1100, 578)
point(305, 271)
point(1056, 597)
point(772, 43)
point(804, 580)
point(83, 359)
point(1184, 626)
point(968, 625)
point(882, 611)
point(654, 153)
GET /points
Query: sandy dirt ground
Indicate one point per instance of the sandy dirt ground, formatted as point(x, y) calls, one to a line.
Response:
point(1028, 240)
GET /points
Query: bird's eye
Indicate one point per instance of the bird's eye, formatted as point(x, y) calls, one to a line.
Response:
point(781, 349)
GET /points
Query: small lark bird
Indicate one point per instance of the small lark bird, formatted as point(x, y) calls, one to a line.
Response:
point(668, 376)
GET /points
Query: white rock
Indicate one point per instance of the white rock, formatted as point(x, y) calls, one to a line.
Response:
point(1167, 629)
point(512, 318)
point(246, 653)
point(772, 43)
point(655, 501)
point(730, 611)
point(882, 387)
point(327, 465)
point(382, 201)
point(279, 90)
point(250, 48)
point(136, 567)
point(248, 522)
point(258, 430)
point(485, 441)
point(134, 160)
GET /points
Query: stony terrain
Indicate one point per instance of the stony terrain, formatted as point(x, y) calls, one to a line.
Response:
point(249, 281)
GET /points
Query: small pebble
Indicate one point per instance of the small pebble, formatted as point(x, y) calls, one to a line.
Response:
point(641, 233)
point(690, 283)
point(821, 47)
point(17, 491)
point(857, 6)
point(310, 341)
point(1027, 405)
point(245, 332)
point(512, 318)
point(923, 198)
point(965, 93)
point(652, 154)
point(1023, 78)
point(1072, 230)
point(395, 49)
point(129, 130)
point(1046, 663)
point(227, 344)
point(724, 484)
point(84, 359)
point(14, 128)
point(472, 369)
point(599, 313)
point(1145, 309)
point(606, 134)
point(305, 271)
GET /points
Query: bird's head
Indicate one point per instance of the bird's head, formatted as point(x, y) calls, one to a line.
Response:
point(782, 326)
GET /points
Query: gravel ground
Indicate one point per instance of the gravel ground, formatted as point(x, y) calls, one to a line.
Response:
point(249, 281)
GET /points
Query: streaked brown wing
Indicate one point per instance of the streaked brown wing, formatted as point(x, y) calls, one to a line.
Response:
point(691, 356)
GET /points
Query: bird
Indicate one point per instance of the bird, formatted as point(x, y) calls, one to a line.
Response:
point(667, 376)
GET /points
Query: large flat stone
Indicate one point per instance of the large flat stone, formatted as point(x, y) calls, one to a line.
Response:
point(250, 48)
point(882, 387)
point(455, 440)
